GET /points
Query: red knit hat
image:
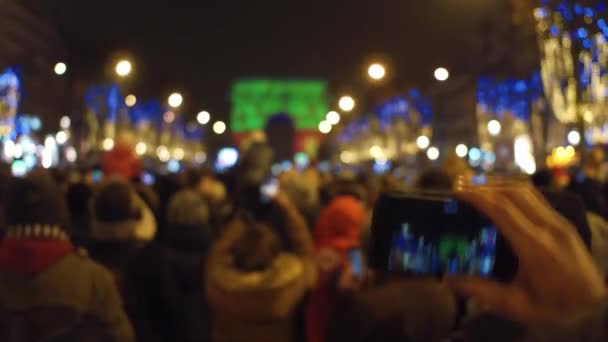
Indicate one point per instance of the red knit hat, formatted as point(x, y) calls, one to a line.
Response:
point(339, 225)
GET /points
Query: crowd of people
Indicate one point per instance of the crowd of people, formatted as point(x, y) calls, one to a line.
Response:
point(202, 257)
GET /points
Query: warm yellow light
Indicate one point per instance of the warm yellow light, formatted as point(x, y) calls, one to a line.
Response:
point(376, 71)
point(175, 100)
point(376, 152)
point(494, 127)
point(219, 127)
point(347, 103)
point(423, 142)
point(141, 148)
point(333, 118)
point(60, 68)
point(123, 68)
point(61, 137)
point(462, 150)
point(433, 153)
point(169, 117)
point(203, 117)
point(108, 144)
point(65, 122)
point(131, 100)
point(442, 74)
point(163, 153)
point(178, 153)
point(324, 127)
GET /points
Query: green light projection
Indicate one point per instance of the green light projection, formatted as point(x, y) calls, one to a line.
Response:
point(254, 101)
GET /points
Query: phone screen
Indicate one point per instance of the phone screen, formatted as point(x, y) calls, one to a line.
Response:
point(357, 263)
point(269, 190)
point(436, 235)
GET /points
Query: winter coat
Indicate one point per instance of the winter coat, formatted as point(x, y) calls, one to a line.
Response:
point(259, 306)
point(48, 293)
point(163, 292)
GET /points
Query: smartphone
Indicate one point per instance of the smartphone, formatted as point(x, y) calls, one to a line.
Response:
point(148, 179)
point(357, 263)
point(97, 176)
point(431, 235)
point(269, 190)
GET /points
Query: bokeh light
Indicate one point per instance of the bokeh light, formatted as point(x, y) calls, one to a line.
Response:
point(333, 118)
point(494, 127)
point(347, 103)
point(324, 127)
point(574, 138)
point(423, 142)
point(60, 68)
point(175, 100)
point(376, 71)
point(203, 117)
point(442, 74)
point(462, 150)
point(65, 122)
point(219, 127)
point(123, 68)
point(131, 100)
point(108, 144)
point(433, 153)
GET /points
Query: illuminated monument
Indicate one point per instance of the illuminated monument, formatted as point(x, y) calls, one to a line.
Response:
point(289, 111)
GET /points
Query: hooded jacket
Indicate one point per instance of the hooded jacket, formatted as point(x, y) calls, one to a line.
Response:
point(259, 306)
point(49, 292)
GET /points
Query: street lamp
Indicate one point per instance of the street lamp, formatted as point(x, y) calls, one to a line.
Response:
point(333, 118)
point(574, 138)
point(376, 71)
point(423, 142)
point(433, 153)
point(123, 68)
point(65, 122)
point(60, 68)
point(462, 150)
point(347, 103)
point(175, 100)
point(442, 74)
point(130, 100)
point(494, 127)
point(203, 117)
point(219, 127)
point(324, 127)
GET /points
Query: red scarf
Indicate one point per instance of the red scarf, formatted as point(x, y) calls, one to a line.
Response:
point(29, 256)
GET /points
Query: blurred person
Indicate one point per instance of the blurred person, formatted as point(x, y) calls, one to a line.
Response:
point(435, 179)
point(302, 193)
point(121, 161)
point(78, 199)
point(121, 224)
point(558, 293)
point(163, 295)
point(338, 231)
point(214, 192)
point(48, 291)
point(253, 283)
point(593, 198)
point(404, 310)
point(543, 179)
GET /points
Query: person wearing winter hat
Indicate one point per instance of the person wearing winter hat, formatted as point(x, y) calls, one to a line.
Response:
point(36, 258)
point(337, 232)
point(162, 286)
point(254, 283)
point(121, 224)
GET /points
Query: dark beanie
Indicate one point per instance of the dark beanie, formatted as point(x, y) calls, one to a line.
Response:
point(35, 200)
point(114, 203)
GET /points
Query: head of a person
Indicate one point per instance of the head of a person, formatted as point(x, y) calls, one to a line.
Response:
point(340, 224)
point(188, 218)
point(255, 165)
point(208, 185)
point(118, 212)
point(542, 179)
point(37, 207)
point(78, 197)
point(592, 196)
point(257, 248)
point(434, 179)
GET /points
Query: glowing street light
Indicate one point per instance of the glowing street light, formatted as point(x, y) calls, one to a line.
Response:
point(123, 68)
point(107, 144)
point(141, 148)
point(333, 118)
point(61, 137)
point(324, 127)
point(347, 103)
point(494, 127)
point(65, 122)
point(433, 153)
point(376, 71)
point(130, 100)
point(219, 127)
point(60, 68)
point(574, 138)
point(203, 117)
point(175, 100)
point(423, 142)
point(462, 150)
point(442, 74)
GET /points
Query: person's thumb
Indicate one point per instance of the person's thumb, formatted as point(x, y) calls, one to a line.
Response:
point(503, 299)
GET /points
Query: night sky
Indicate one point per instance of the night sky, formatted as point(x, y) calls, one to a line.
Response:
point(200, 47)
